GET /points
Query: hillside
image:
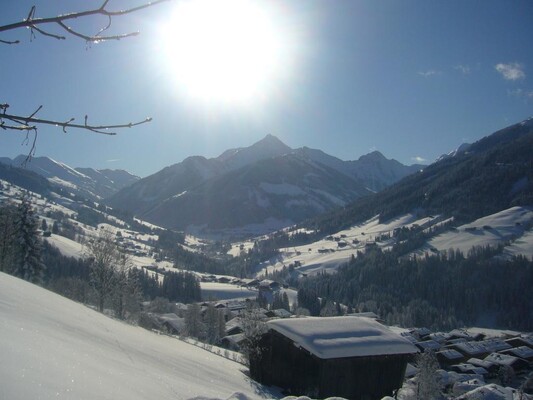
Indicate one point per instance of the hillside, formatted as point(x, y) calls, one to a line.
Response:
point(494, 174)
point(89, 183)
point(52, 347)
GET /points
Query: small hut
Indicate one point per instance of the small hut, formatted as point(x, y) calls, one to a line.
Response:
point(351, 357)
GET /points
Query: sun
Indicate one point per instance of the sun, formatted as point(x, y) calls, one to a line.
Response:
point(224, 51)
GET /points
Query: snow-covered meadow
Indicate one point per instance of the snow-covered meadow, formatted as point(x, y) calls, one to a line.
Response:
point(52, 347)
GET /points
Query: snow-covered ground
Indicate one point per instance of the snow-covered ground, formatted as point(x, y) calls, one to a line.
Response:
point(52, 347)
point(513, 225)
point(492, 230)
point(330, 253)
point(225, 291)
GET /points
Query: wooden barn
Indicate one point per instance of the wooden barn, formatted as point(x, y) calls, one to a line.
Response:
point(350, 357)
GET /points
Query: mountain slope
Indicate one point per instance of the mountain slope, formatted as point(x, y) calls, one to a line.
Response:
point(87, 182)
point(52, 347)
point(191, 172)
point(25, 179)
point(285, 189)
point(234, 190)
point(494, 174)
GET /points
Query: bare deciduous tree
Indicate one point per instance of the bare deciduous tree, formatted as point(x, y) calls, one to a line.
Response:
point(29, 123)
point(109, 267)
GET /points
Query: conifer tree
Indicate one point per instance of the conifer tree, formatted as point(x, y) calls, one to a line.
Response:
point(28, 262)
point(194, 326)
point(213, 332)
point(7, 243)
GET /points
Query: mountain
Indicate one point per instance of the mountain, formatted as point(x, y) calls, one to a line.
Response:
point(25, 179)
point(267, 186)
point(87, 182)
point(274, 193)
point(495, 173)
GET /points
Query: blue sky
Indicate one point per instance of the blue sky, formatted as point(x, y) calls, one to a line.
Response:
point(412, 79)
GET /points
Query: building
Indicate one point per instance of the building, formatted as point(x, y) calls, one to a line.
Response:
point(350, 357)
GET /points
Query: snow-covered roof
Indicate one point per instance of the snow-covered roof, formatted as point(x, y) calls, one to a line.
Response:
point(522, 352)
point(428, 345)
point(488, 392)
point(340, 337)
point(450, 354)
point(471, 348)
point(501, 359)
point(495, 344)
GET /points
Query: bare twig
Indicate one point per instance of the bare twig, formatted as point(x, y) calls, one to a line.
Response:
point(32, 22)
point(9, 41)
point(30, 124)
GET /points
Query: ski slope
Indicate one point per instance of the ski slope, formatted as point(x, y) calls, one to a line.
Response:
point(52, 347)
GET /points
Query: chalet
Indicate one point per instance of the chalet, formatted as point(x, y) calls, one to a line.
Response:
point(489, 366)
point(495, 344)
point(172, 323)
point(523, 352)
point(469, 369)
point(233, 342)
point(523, 340)
point(471, 349)
point(428, 345)
point(234, 326)
point(420, 332)
point(517, 364)
point(449, 357)
point(267, 284)
point(250, 282)
point(351, 357)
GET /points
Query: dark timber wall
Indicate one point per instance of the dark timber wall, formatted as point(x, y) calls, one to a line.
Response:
point(298, 372)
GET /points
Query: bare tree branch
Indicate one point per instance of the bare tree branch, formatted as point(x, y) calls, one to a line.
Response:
point(30, 123)
point(9, 41)
point(32, 22)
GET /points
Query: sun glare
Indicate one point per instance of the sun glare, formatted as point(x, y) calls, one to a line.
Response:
point(223, 51)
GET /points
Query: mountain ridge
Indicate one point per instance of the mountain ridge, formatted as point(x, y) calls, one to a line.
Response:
point(88, 182)
point(171, 190)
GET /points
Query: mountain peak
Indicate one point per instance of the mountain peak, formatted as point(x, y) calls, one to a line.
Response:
point(373, 155)
point(271, 140)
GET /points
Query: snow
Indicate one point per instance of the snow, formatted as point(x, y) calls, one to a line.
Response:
point(488, 392)
point(54, 348)
point(339, 337)
point(66, 246)
point(491, 230)
point(225, 291)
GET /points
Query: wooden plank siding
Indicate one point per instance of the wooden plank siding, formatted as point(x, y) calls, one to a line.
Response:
point(283, 363)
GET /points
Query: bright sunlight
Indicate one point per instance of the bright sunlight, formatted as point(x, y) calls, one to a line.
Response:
point(224, 51)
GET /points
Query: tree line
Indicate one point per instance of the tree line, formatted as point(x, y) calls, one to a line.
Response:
point(440, 291)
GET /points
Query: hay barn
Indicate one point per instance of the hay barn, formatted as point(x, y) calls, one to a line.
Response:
point(350, 357)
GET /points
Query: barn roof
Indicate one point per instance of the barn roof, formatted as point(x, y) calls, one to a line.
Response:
point(340, 337)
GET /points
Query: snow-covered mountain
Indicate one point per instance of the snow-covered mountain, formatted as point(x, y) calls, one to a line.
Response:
point(265, 186)
point(88, 182)
point(264, 196)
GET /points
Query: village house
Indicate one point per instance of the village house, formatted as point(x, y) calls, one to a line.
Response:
point(351, 357)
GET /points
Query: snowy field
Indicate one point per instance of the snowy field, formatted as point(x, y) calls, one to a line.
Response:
point(512, 225)
point(54, 348)
point(492, 230)
point(328, 254)
point(225, 291)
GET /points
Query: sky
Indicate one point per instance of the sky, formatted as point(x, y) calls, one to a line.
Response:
point(411, 79)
